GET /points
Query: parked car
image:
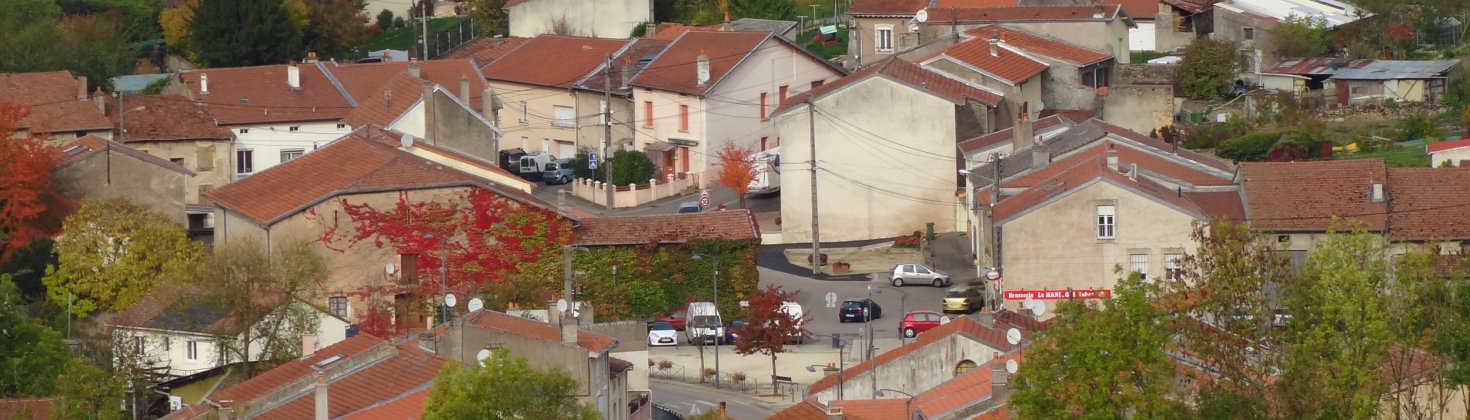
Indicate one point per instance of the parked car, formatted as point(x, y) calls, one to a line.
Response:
point(689, 207)
point(917, 274)
point(558, 172)
point(916, 322)
point(732, 331)
point(794, 309)
point(965, 299)
point(676, 319)
point(858, 310)
point(704, 323)
point(662, 334)
point(532, 165)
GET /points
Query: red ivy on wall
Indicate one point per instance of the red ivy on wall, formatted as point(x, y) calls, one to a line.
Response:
point(489, 236)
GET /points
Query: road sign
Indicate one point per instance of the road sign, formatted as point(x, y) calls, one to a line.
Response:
point(704, 198)
point(831, 299)
point(592, 160)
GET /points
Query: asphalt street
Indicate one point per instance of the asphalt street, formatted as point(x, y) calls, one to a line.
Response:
point(668, 205)
point(812, 297)
point(688, 400)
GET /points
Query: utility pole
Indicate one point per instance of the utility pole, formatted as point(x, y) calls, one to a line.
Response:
point(715, 281)
point(424, 11)
point(122, 130)
point(811, 119)
point(607, 130)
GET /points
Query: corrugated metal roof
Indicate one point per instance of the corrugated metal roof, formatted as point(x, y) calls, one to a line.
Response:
point(1397, 69)
point(1332, 12)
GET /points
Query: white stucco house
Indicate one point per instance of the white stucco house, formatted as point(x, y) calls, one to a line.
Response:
point(1448, 153)
point(594, 18)
point(171, 334)
point(884, 171)
point(710, 88)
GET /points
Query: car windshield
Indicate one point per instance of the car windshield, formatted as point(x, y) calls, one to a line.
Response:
point(662, 326)
point(852, 304)
point(704, 321)
point(957, 293)
point(551, 166)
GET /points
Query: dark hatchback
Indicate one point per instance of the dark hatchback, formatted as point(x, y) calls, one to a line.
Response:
point(856, 310)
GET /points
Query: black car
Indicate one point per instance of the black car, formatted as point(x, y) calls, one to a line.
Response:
point(731, 331)
point(856, 310)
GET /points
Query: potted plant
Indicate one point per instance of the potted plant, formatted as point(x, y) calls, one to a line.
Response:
point(708, 372)
point(665, 364)
point(841, 267)
point(737, 377)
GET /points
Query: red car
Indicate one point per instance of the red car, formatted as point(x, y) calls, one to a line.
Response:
point(676, 319)
point(916, 322)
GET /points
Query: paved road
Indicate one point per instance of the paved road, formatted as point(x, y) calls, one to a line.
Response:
point(668, 205)
point(812, 298)
point(697, 399)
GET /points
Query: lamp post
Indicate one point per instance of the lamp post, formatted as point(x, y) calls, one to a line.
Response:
point(903, 312)
point(443, 274)
point(715, 285)
point(841, 363)
point(872, 362)
point(907, 405)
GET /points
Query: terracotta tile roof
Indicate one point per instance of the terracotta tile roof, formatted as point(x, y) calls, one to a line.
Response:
point(1429, 203)
point(1196, 157)
point(409, 406)
point(1168, 166)
point(1005, 135)
point(963, 391)
point(1137, 9)
point(257, 95)
point(1005, 318)
point(293, 371)
point(616, 366)
point(1224, 205)
point(640, 48)
point(588, 340)
point(990, 337)
point(164, 118)
point(393, 97)
point(883, 409)
point(1441, 146)
point(1006, 64)
point(486, 50)
point(189, 411)
point(1085, 134)
point(53, 103)
point(407, 371)
point(1083, 174)
point(367, 160)
point(1305, 196)
point(942, 16)
point(83, 148)
point(965, 4)
point(1040, 45)
point(1192, 6)
point(805, 410)
point(666, 228)
point(887, 7)
point(364, 81)
point(449, 153)
point(674, 69)
point(902, 72)
point(26, 408)
point(668, 31)
point(553, 60)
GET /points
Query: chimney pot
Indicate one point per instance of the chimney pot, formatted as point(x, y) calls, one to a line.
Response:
point(81, 88)
point(293, 75)
point(464, 88)
point(413, 67)
point(203, 83)
point(310, 57)
point(702, 69)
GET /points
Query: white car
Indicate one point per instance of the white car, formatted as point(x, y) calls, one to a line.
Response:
point(662, 334)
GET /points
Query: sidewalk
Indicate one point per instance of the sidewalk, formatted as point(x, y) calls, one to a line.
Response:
point(757, 367)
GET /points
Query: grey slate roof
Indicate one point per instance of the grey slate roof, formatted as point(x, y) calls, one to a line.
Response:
point(1079, 135)
point(762, 25)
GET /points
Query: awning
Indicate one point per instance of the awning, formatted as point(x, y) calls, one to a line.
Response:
point(659, 146)
point(683, 142)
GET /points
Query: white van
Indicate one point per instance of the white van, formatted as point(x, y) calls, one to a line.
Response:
point(704, 324)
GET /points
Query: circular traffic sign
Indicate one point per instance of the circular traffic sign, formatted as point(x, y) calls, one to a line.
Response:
point(993, 275)
point(704, 198)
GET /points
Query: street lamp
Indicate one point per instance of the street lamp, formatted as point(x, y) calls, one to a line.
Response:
point(903, 311)
point(907, 405)
point(715, 285)
point(443, 274)
point(841, 362)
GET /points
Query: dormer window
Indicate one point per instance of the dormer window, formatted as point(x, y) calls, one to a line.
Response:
point(1376, 195)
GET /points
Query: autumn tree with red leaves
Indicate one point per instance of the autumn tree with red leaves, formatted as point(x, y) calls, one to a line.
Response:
point(767, 327)
point(737, 169)
point(31, 207)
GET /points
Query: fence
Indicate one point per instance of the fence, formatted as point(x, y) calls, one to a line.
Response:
point(632, 195)
point(442, 42)
point(749, 384)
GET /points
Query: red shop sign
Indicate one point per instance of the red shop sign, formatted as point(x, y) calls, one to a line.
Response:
point(1055, 294)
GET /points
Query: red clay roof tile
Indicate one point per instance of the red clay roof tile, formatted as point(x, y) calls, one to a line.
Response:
point(164, 118)
point(991, 337)
point(553, 60)
point(486, 50)
point(409, 406)
point(1005, 135)
point(1137, 9)
point(1002, 62)
point(666, 228)
point(902, 72)
point(591, 341)
point(887, 7)
point(53, 103)
point(1040, 45)
point(942, 16)
point(1080, 174)
point(257, 95)
point(1223, 205)
point(674, 69)
point(1441, 146)
point(293, 371)
point(1280, 197)
point(391, 100)
point(968, 389)
point(668, 31)
point(407, 371)
point(1429, 203)
point(85, 147)
point(364, 82)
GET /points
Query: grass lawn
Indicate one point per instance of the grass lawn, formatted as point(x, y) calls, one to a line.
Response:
point(1395, 157)
point(828, 52)
point(804, 8)
point(404, 38)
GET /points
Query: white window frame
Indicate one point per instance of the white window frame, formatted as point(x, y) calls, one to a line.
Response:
point(525, 143)
point(240, 167)
point(191, 350)
point(1173, 265)
point(286, 155)
point(563, 116)
point(883, 38)
point(1107, 222)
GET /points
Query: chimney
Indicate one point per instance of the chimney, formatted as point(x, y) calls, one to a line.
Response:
point(100, 99)
point(1112, 158)
point(203, 84)
point(1040, 156)
point(1021, 130)
point(701, 69)
point(649, 30)
point(293, 76)
point(834, 413)
point(81, 88)
point(569, 326)
point(227, 410)
point(464, 88)
point(413, 67)
point(308, 344)
point(321, 397)
point(994, 42)
point(429, 117)
point(1098, 12)
point(627, 73)
point(310, 57)
point(1133, 172)
point(487, 106)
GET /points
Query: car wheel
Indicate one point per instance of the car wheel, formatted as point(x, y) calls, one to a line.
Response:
point(938, 282)
point(898, 282)
point(909, 332)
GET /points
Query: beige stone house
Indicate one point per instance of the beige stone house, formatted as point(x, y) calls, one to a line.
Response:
point(589, 18)
point(59, 107)
point(1179, 22)
point(1249, 23)
point(535, 81)
point(461, 114)
point(1103, 28)
point(95, 168)
point(994, 65)
point(883, 174)
point(176, 129)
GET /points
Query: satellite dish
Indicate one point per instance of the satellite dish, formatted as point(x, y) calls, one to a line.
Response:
point(1039, 310)
point(476, 304)
point(921, 16)
point(561, 305)
point(1013, 336)
point(1040, 105)
point(944, 320)
point(450, 300)
point(992, 275)
point(485, 354)
point(406, 141)
point(1029, 303)
point(390, 269)
point(1011, 366)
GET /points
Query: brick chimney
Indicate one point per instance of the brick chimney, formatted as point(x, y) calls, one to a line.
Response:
point(1112, 158)
point(701, 69)
point(203, 83)
point(413, 67)
point(293, 76)
point(81, 88)
point(322, 409)
point(310, 57)
point(464, 88)
point(1021, 130)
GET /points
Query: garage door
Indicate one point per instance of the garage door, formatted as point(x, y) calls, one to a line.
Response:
point(565, 149)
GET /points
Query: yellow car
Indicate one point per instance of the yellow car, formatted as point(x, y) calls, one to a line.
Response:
point(965, 299)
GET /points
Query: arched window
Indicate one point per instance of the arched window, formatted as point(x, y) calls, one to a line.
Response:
point(964, 366)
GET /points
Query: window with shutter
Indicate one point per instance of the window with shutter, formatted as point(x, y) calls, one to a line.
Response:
point(205, 160)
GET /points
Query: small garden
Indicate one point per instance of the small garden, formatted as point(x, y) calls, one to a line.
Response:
point(402, 35)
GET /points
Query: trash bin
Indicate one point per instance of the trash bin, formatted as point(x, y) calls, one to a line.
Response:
point(930, 230)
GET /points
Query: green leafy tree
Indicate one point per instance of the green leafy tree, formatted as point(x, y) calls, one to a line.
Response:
point(30, 36)
point(762, 9)
point(489, 16)
point(1340, 333)
point(232, 33)
point(1208, 67)
point(99, 47)
point(259, 291)
point(1101, 364)
point(384, 20)
point(337, 27)
point(1421, 309)
point(1452, 337)
point(89, 392)
point(114, 251)
point(504, 387)
point(631, 167)
point(767, 327)
point(32, 356)
point(1300, 36)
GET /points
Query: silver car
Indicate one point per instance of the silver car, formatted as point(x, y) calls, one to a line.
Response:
point(917, 274)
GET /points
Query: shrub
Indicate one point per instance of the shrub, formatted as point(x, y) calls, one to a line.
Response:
point(1418, 126)
point(1207, 136)
point(651, 363)
point(398, 22)
point(1253, 147)
point(906, 242)
point(1208, 68)
point(631, 167)
point(1390, 103)
point(708, 372)
point(385, 19)
point(665, 364)
point(738, 377)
